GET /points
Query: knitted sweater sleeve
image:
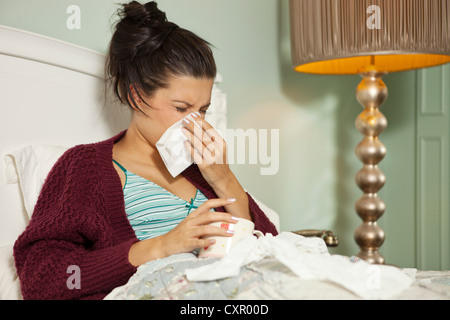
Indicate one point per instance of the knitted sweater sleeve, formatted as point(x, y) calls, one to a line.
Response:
point(68, 250)
point(260, 219)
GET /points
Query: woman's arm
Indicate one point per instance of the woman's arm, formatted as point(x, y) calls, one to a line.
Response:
point(208, 149)
point(245, 207)
point(68, 231)
point(59, 269)
point(230, 187)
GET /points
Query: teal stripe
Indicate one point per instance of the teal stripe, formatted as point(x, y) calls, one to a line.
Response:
point(120, 166)
point(152, 210)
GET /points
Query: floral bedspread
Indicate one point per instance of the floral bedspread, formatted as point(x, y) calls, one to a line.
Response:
point(271, 275)
point(166, 279)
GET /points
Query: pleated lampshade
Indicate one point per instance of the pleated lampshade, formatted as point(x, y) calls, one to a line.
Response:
point(345, 36)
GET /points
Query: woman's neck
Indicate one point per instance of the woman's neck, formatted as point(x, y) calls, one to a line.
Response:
point(136, 148)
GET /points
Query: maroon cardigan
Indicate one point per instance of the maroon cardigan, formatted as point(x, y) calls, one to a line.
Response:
point(80, 220)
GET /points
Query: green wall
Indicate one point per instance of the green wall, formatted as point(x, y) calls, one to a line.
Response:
point(314, 187)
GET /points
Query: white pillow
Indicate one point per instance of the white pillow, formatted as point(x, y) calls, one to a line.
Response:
point(272, 215)
point(9, 281)
point(30, 166)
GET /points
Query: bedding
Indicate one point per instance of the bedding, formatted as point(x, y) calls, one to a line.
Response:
point(29, 166)
point(9, 281)
point(288, 266)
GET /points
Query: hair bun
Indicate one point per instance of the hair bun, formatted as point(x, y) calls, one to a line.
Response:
point(142, 30)
point(145, 15)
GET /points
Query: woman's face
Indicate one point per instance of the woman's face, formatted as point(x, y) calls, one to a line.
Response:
point(182, 96)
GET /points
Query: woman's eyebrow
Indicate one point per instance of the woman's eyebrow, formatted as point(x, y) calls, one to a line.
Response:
point(190, 105)
point(184, 102)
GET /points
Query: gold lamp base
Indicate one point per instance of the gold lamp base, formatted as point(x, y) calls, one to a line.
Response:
point(344, 37)
point(371, 93)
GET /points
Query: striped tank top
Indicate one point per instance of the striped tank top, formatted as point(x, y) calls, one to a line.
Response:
point(152, 210)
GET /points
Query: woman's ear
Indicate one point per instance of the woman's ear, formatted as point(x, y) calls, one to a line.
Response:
point(134, 97)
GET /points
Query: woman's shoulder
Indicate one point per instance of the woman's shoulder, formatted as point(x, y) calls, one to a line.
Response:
point(81, 152)
point(89, 154)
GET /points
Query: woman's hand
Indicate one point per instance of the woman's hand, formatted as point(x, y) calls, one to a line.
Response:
point(190, 233)
point(186, 236)
point(209, 151)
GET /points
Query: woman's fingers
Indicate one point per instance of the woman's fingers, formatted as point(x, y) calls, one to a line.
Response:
point(210, 204)
point(200, 128)
point(205, 141)
point(199, 145)
point(208, 135)
point(209, 231)
point(198, 149)
point(203, 217)
point(212, 217)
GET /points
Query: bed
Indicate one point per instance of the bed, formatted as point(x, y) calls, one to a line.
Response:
point(53, 98)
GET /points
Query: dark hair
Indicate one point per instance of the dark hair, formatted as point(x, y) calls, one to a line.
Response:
point(146, 49)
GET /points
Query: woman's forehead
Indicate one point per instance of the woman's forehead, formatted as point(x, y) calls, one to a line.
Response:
point(188, 90)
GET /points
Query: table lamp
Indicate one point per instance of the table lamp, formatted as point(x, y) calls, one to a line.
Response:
point(369, 38)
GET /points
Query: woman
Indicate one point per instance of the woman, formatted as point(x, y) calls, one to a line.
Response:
point(106, 208)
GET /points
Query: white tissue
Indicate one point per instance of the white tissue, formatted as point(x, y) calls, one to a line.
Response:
point(172, 149)
point(309, 259)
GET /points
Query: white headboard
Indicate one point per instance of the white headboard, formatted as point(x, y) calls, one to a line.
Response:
point(52, 93)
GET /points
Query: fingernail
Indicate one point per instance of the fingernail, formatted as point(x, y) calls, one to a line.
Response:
point(186, 121)
point(231, 199)
point(234, 218)
point(187, 135)
point(195, 115)
point(211, 241)
point(230, 231)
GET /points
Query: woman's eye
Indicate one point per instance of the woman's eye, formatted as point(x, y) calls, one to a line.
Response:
point(185, 110)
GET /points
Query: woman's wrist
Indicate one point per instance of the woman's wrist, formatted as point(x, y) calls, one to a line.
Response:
point(146, 250)
point(223, 184)
point(230, 187)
